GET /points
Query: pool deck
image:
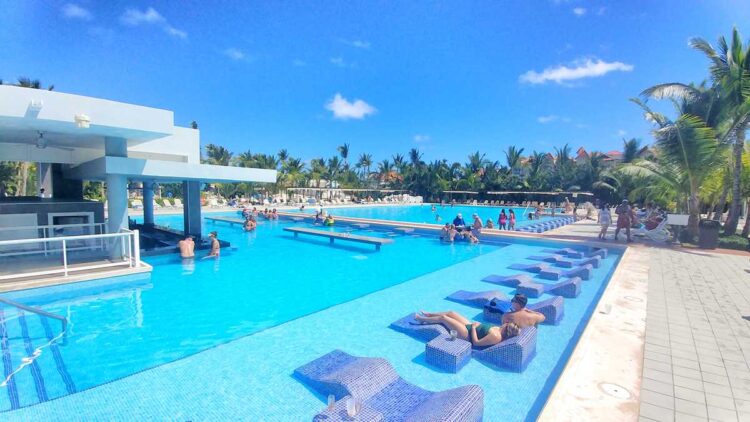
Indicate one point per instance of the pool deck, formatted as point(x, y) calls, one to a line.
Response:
point(694, 357)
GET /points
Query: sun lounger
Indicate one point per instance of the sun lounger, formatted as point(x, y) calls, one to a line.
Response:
point(558, 260)
point(513, 354)
point(532, 268)
point(570, 253)
point(600, 252)
point(136, 204)
point(476, 299)
point(508, 280)
point(178, 203)
point(383, 393)
point(569, 288)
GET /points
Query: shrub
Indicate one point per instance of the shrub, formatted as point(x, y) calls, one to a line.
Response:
point(736, 242)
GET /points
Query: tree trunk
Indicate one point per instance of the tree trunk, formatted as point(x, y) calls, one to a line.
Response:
point(694, 215)
point(746, 228)
point(735, 209)
point(719, 208)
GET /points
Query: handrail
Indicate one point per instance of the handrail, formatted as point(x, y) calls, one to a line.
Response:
point(42, 312)
point(61, 238)
point(52, 226)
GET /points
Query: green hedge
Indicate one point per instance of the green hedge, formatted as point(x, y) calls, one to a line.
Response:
point(736, 242)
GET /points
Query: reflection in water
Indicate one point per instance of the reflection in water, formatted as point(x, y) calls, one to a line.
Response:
point(188, 266)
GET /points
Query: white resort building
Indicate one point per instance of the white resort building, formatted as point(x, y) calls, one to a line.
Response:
point(74, 139)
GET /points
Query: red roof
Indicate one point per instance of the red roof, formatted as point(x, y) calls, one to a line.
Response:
point(581, 153)
point(614, 154)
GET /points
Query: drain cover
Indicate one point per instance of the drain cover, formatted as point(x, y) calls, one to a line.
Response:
point(634, 299)
point(614, 390)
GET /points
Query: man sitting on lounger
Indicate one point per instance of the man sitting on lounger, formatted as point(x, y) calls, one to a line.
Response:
point(521, 316)
point(478, 334)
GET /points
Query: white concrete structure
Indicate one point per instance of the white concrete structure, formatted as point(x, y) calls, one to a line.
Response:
point(96, 139)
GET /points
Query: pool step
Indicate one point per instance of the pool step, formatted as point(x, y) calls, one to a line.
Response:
point(33, 367)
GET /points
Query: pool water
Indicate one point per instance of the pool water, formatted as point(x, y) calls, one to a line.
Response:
point(220, 338)
point(423, 213)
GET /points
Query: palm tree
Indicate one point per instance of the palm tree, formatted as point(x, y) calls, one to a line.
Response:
point(34, 84)
point(563, 166)
point(513, 157)
point(688, 151)
point(333, 168)
point(476, 162)
point(364, 163)
point(415, 157)
point(730, 73)
point(283, 155)
point(344, 151)
point(218, 155)
point(537, 174)
point(630, 149)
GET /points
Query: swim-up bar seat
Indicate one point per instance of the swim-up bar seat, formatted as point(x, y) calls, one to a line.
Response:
point(513, 354)
point(384, 395)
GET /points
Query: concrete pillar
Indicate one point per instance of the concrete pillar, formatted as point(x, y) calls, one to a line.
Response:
point(191, 206)
point(115, 147)
point(44, 178)
point(148, 203)
point(117, 203)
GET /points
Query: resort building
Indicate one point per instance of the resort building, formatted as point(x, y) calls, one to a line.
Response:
point(74, 139)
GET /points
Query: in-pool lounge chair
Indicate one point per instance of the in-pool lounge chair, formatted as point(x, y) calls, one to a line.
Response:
point(384, 395)
point(513, 354)
point(552, 308)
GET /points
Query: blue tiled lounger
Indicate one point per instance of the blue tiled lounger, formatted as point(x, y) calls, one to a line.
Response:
point(532, 268)
point(384, 395)
point(569, 288)
point(513, 354)
point(508, 280)
point(552, 309)
point(600, 252)
point(558, 260)
point(476, 299)
point(570, 253)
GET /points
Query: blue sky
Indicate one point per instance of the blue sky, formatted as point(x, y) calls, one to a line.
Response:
point(446, 77)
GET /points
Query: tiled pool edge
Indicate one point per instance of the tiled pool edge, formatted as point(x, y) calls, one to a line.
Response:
point(610, 350)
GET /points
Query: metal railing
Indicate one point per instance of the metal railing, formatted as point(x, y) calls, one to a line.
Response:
point(42, 312)
point(120, 249)
point(45, 232)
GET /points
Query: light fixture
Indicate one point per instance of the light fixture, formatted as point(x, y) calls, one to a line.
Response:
point(82, 121)
point(36, 105)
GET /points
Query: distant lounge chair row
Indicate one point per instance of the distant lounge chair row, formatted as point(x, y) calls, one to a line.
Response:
point(137, 204)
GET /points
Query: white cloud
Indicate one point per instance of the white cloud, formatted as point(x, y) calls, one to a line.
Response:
point(234, 54)
point(298, 62)
point(344, 110)
point(621, 132)
point(74, 11)
point(547, 119)
point(581, 69)
point(171, 30)
point(356, 43)
point(340, 62)
point(579, 11)
point(134, 17)
point(419, 138)
point(149, 16)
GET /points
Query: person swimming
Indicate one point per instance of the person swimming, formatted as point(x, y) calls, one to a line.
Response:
point(490, 224)
point(329, 220)
point(478, 334)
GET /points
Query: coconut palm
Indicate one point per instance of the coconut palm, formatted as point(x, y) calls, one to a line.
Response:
point(513, 157)
point(687, 152)
point(32, 83)
point(630, 149)
point(364, 163)
point(283, 155)
point(730, 73)
point(218, 155)
point(344, 152)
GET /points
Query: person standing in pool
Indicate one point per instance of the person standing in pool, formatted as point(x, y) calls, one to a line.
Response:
point(502, 220)
point(511, 220)
point(187, 247)
point(215, 246)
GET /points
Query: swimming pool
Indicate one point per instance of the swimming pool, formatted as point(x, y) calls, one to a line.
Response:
point(423, 213)
point(219, 339)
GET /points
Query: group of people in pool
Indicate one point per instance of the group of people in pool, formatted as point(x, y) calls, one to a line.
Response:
point(483, 334)
point(321, 218)
point(459, 228)
point(251, 217)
